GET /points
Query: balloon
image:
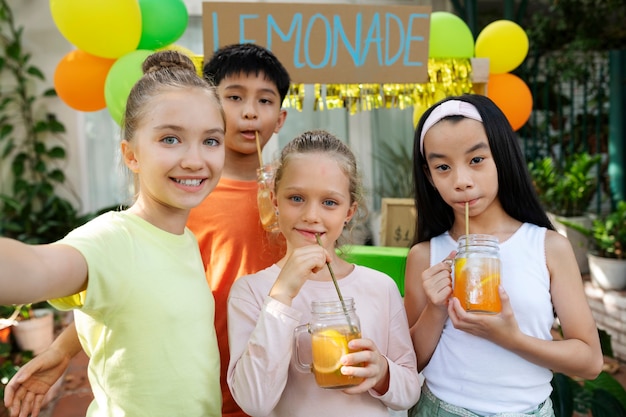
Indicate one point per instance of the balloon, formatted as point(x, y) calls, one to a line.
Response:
point(450, 37)
point(121, 78)
point(105, 28)
point(162, 22)
point(197, 59)
point(505, 43)
point(79, 80)
point(512, 96)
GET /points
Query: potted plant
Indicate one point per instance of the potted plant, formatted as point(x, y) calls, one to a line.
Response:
point(566, 190)
point(607, 252)
point(607, 257)
point(33, 326)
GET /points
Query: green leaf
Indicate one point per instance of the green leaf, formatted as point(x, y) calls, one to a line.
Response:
point(13, 50)
point(20, 187)
point(56, 152)
point(11, 202)
point(8, 148)
point(605, 404)
point(5, 131)
point(35, 72)
point(605, 343)
point(608, 383)
point(41, 126)
point(54, 124)
point(562, 395)
point(40, 166)
point(17, 167)
point(57, 175)
point(50, 92)
point(40, 148)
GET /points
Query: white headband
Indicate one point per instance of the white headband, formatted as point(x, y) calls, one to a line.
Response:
point(445, 109)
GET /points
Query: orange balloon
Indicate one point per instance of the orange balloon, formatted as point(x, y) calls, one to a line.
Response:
point(512, 96)
point(79, 80)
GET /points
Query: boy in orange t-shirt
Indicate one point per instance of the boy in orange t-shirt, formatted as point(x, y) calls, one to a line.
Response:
point(252, 84)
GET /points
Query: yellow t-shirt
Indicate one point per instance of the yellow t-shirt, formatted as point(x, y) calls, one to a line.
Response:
point(145, 320)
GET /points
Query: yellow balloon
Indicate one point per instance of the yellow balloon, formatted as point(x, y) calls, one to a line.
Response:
point(505, 43)
point(104, 28)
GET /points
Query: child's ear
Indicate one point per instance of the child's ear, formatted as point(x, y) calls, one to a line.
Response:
point(351, 211)
point(282, 116)
point(130, 158)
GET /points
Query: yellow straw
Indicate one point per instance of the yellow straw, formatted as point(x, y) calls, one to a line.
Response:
point(466, 219)
point(332, 275)
point(258, 148)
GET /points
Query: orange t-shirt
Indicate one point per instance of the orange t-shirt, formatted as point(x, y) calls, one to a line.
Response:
point(232, 244)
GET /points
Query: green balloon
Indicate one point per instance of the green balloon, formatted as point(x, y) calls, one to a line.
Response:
point(162, 22)
point(450, 37)
point(122, 76)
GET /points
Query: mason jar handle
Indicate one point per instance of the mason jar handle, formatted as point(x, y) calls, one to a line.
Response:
point(300, 366)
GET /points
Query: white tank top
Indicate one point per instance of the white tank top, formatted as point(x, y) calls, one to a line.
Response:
point(479, 375)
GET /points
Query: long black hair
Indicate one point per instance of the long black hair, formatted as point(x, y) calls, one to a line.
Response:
point(516, 193)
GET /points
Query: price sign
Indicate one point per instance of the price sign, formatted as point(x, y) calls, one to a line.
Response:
point(397, 222)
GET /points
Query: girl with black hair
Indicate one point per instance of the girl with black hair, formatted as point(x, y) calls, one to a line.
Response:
point(467, 155)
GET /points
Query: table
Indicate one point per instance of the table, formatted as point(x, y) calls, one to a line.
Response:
point(390, 260)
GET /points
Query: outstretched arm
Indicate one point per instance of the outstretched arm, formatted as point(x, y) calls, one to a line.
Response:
point(30, 273)
point(27, 389)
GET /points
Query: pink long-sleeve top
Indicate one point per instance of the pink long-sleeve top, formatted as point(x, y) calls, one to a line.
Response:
point(261, 375)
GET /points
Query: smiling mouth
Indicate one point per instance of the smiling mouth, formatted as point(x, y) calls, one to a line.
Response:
point(312, 233)
point(189, 182)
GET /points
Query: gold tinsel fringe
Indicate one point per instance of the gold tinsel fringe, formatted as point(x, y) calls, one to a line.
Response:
point(446, 77)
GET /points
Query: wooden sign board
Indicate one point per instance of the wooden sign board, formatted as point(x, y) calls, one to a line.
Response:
point(398, 217)
point(328, 43)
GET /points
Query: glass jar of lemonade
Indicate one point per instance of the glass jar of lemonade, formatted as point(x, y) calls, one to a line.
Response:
point(477, 273)
point(267, 213)
point(331, 327)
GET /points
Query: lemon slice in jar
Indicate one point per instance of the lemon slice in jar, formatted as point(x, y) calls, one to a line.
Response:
point(488, 278)
point(328, 347)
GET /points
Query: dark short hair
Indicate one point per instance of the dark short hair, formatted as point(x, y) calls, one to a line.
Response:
point(247, 58)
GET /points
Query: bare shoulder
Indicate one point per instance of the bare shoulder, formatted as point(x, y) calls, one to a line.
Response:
point(418, 259)
point(560, 257)
point(419, 252)
point(557, 244)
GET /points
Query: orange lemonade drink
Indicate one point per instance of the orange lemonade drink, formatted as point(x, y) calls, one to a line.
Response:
point(328, 346)
point(267, 212)
point(476, 282)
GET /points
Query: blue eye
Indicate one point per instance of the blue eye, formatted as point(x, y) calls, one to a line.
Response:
point(212, 142)
point(330, 203)
point(170, 140)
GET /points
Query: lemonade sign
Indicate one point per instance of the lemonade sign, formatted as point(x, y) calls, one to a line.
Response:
point(328, 43)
